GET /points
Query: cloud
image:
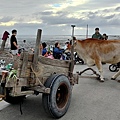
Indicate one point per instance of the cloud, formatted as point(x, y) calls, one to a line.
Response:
point(6, 19)
point(46, 13)
point(109, 16)
point(117, 9)
point(57, 16)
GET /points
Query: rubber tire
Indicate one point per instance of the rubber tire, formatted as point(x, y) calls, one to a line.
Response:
point(49, 100)
point(113, 66)
point(10, 99)
point(13, 100)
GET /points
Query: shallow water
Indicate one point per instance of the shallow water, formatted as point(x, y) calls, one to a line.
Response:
point(50, 39)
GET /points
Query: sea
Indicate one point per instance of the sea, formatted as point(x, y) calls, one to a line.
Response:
point(51, 39)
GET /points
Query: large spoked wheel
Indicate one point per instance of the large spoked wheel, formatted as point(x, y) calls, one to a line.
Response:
point(8, 98)
point(113, 68)
point(57, 102)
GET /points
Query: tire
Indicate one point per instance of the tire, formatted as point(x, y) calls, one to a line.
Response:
point(8, 98)
point(57, 102)
point(13, 100)
point(113, 68)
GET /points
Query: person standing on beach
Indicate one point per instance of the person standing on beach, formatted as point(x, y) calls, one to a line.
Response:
point(4, 39)
point(97, 34)
point(13, 41)
point(105, 37)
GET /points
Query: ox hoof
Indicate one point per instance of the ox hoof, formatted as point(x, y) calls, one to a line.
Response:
point(112, 78)
point(101, 80)
point(118, 81)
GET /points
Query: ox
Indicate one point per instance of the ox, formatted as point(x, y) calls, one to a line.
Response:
point(94, 52)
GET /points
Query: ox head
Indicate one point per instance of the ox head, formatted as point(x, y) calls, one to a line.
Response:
point(76, 44)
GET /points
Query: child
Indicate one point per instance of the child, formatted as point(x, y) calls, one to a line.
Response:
point(44, 50)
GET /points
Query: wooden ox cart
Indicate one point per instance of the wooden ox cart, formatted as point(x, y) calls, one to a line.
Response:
point(37, 74)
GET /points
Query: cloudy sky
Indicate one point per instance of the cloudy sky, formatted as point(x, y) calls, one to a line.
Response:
point(55, 17)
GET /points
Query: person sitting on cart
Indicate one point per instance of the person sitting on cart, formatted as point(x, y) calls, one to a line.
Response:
point(57, 52)
point(44, 50)
point(67, 47)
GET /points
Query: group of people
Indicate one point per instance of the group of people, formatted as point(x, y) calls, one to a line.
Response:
point(57, 52)
point(13, 41)
point(97, 35)
point(15, 49)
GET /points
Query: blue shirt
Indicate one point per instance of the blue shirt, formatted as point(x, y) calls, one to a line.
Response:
point(57, 50)
point(57, 53)
point(44, 51)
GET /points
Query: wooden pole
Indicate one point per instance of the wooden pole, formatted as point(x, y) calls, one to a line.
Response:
point(37, 48)
point(72, 49)
point(72, 54)
point(87, 32)
point(24, 65)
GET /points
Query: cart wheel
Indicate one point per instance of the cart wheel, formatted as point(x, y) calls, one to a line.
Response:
point(8, 98)
point(13, 100)
point(113, 68)
point(57, 102)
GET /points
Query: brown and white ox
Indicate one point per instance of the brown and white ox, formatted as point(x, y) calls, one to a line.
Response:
point(94, 52)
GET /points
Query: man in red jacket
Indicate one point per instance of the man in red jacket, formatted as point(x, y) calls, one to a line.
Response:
point(4, 39)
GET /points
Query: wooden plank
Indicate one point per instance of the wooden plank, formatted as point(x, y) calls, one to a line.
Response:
point(21, 82)
point(24, 65)
point(71, 64)
point(54, 62)
point(49, 69)
point(22, 93)
point(41, 89)
point(72, 54)
point(46, 70)
point(37, 48)
point(30, 57)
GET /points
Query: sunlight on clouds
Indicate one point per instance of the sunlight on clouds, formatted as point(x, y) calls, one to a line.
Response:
point(84, 14)
point(34, 21)
point(68, 3)
point(61, 25)
point(11, 23)
point(80, 28)
point(76, 15)
point(77, 2)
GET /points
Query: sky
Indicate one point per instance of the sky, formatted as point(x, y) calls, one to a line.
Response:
point(55, 17)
